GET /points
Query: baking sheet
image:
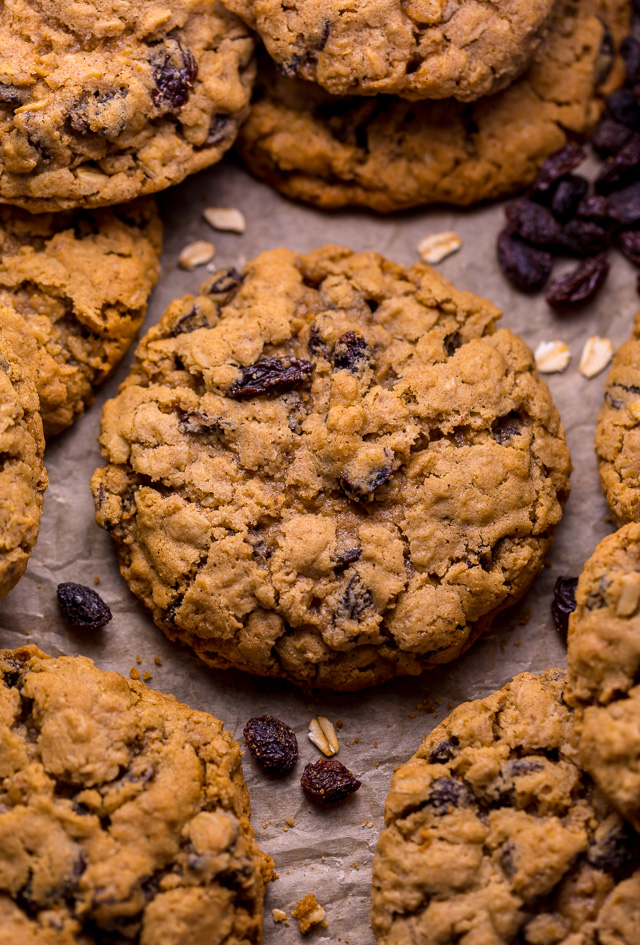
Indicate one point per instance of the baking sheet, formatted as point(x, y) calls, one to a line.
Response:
point(325, 852)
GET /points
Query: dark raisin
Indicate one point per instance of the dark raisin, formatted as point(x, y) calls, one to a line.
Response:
point(364, 484)
point(272, 743)
point(506, 859)
point(174, 72)
point(221, 128)
point(328, 781)
point(447, 794)
point(198, 424)
point(526, 267)
point(563, 604)
point(630, 50)
point(568, 194)
point(620, 169)
point(617, 851)
point(291, 68)
point(609, 137)
point(270, 376)
point(316, 345)
point(606, 55)
point(345, 558)
point(356, 600)
point(629, 245)
point(452, 342)
point(558, 164)
point(351, 352)
point(624, 109)
point(82, 608)
point(506, 427)
point(580, 284)
point(193, 320)
point(533, 222)
point(624, 205)
point(12, 96)
point(523, 766)
point(222, 284)
point(583, 238)
point(594, 208)
point(444, 751)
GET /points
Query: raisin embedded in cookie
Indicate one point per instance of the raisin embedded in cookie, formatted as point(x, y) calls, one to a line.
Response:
point(495, 835)
point(414, 49)
point(388, 154)
point(23, 479)
point(618, 432)
point(81, 281)
point(604, 668)
point(330, 468)
point(106, 100)
point(124, 816)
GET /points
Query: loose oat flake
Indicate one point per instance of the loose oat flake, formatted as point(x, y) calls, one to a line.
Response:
point(596, 355)
point(552, 357)
point(279, 915)
point(225, 218)
point(196, 254)
point(435, 248)
point(323, 735)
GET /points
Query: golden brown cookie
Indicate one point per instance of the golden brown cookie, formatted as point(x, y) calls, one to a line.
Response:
point(105, 100)
point(495, 836)
point(81, 282)
point(389, 154)
point(330, 468)
point(124, 814)
point(23, 479)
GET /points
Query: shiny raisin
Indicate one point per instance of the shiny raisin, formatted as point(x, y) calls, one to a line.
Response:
point(533, 222)
point(526, 267)
point(624, 109)
point(564, 603)
point(270, 376)
point(621, 168)
point(583, 238)
point(594, 208)
point(558, 164)
point(610, 137)
point(82, 607)
point(328, 781)
point(223, 284)
point(630, 50)
point(580, 284)
point(629, 245)
point(624, 205)
point(617, 851)
point(174, 72)
point(272, 743)
point(351, 352)
point(568, 194)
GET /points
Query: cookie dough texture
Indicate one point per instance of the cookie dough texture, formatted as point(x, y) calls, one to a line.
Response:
point(23, 479)
point(389, 154)
point(495, 836)
point(618, 432)
point(124, 815)
point(105, 100)
point(604, 666)
point(463, 48)
point(330, 468)
point(80, 281)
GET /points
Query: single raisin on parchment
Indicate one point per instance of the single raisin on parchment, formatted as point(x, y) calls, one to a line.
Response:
point(270, 376)
point(328, 781)
point(82, 607)
point(581, 283)
point(272, 743)
point(564, 603)
point(629, 245)
point(533, 222)
point(526, 267)
point(568, 194)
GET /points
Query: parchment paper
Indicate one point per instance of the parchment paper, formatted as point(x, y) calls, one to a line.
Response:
point(329, 852)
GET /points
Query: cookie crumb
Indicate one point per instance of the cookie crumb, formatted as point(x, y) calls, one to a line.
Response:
point(437, 246)
point(96, 579)
point(138, 660)
point(308, 912)
point(147, 675)
point(196, 254)
point(596, 355)
point(157, 661)
point(225, 218)
point(134, 672)
point(279, 915)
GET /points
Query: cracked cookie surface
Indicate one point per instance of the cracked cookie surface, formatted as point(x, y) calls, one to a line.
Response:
point(124, 815)
point(495, 836)
point(618, 432)
point(463, 49)
point(389, 154)
point(106, 100)
point(604, 668)
point(330, 468)
point(23, 479)
point(80, 280)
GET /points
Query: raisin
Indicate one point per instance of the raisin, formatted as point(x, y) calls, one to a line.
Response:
point(594, 208)
point(526, 267)
point(272, 743)
point(452, 342)
point(316, 345)
point(624, 205)
point(328, 781)
point(629, 245)
point(351, 352)
point(617, 852)
point(630, 50)
point(198, 424)
point(12, 96)
point(348, 557)
point(580, 284)
point(556, 166)
point(506, 859)
point(620, 169)
point(564, 603)
point(606, 54)
point(194, 319)
point(444, 751)
point(356, 600)
point(223, 284)
point(447, 794)
point(624, 109)
point(506, 427)
point(533, 222)
point(609, 137)
point(568, 194)
point(582, 238)
point(221, 128)
point(82, 607)
point(174, 72)
point(270, 376)
point(523, 766)
point(364, 485)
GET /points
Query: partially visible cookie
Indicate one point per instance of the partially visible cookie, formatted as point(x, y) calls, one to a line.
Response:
point(618, 432)
point(330, 468)
point(604, 668)
point(124, 816)
point(463, 49)
point(494, 834)
point(106, 100)
point(81, 282)
point(389, 154)
point(23, 479)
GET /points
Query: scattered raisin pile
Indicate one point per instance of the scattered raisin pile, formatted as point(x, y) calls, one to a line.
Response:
point(564, 214)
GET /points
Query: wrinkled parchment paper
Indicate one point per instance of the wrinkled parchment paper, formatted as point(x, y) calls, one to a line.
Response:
point(325, 852)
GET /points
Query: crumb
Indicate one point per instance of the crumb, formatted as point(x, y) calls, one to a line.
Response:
point(134, 673)
point(608, 519)
point(449, 705)
point(525, 617)
point(548, 563)
point(355, 741)
point(355, 865)
point(279, 915)
point(339, 724)
point(503, 644)
point(96, 579)
point(412, 715)
point(157, 661)
point(39, 586)
point(147, 675)
point(518, 643)
point(308, 912)
point(138, 660)
point(290, 822)
point(377, 764)
point(375, 744)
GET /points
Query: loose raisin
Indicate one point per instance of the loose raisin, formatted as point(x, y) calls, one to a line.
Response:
point(270, 376)
point(620, 169)
point(629, 244)
point(568, 194)
point(174, 72)
point(526, 267)
point(583, 238)
point(630, 50)
point(580, 284)
point(558, 164)
point(533, 222)
point(610, 137)
point(594, 208)
point(564, 603)
point(624, 109)
point(328, 781)
point(82, 607)
point(351, 352)
point(624, 205)
point(272, 743)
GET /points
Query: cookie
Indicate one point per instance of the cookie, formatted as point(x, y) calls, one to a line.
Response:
point(465, 49)
point(493, 834)
point(331, 469)
point(604, 663)
point(81, 281)
point(23, 479)
point(124, 816)
point(106, 100)
point(618, 432)
point(388, 154)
